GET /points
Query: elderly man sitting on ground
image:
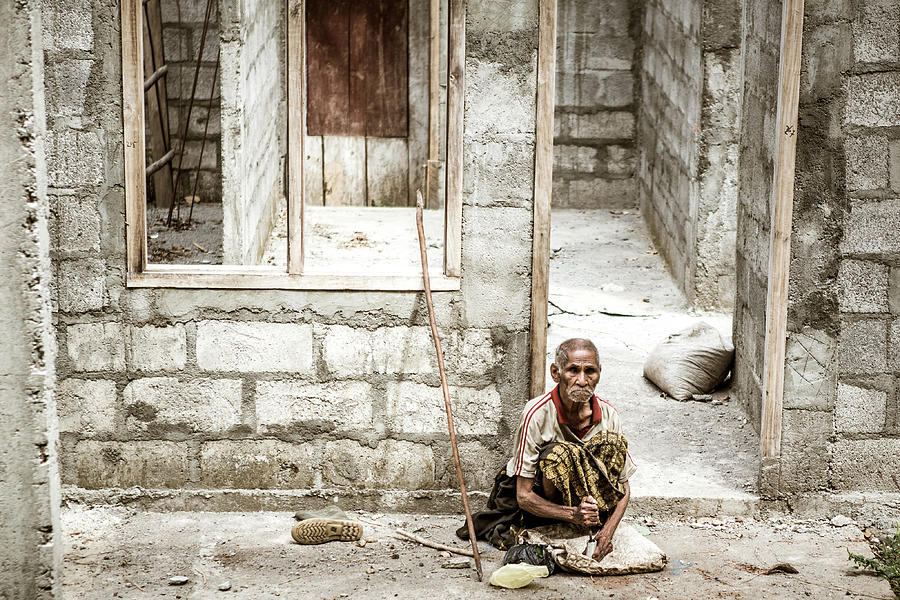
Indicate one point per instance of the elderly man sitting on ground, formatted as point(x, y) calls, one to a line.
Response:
point(570, 462)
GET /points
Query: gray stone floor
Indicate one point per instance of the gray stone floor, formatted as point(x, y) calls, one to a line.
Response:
point(118, 553)
point(608, 283)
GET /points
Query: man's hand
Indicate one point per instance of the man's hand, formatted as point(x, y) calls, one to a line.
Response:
point(587, 513)
point(604, 545)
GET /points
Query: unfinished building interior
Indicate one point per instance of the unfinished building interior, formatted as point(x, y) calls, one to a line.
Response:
point(213, 299)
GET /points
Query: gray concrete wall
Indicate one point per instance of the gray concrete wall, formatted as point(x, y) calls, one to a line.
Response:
point(594, 154)
point(193, 392)
point(182, 32)
point(688, 141)
point(760, 51)
point(254, 147)
point(30, 545)
point(842, 422)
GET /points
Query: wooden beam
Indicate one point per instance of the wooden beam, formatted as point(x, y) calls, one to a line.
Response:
point(434, 103)
point(296, 124)
point(456, 100)
point(780, 240)
point(133, 134)
point(543, 187)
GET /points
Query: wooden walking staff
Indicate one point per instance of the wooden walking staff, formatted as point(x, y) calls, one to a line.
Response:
point(444, 388)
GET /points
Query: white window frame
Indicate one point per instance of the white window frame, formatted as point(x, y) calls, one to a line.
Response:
point(141, 274)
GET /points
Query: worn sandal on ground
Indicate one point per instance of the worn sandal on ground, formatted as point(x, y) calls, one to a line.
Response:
point(319, 531)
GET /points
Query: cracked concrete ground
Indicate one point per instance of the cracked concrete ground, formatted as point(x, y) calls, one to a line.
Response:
point(608, 283)
point(115, 552)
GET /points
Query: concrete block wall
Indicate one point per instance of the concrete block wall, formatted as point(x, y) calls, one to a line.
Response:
point(688, 131)
point(182, 32)
point(594, 155)
point(761, 39)
point(254, 148)
point(30, 539)
point(271, 393)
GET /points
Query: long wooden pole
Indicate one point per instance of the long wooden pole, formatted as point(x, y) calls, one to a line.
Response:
point(780, 240)
point(434, 93)
point(440, 360)
point(543, 185)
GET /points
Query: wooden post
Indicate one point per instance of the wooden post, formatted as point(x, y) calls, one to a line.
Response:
point(296, 124)
point(157, 101)
point(133, 134)
point(456, 100)
point(780, 240)
point(543, 187)
point(434, 99)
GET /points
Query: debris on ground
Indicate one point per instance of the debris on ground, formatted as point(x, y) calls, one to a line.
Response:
point(459, 562)
point(517, 575)
point(781, 568)
point(841, 521)
point(178, 580)
point(224, 586)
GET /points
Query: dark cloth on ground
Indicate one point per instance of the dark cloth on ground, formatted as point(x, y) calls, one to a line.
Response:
point(576, 470)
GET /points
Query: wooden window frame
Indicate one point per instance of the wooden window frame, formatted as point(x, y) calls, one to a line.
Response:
point(141, 274)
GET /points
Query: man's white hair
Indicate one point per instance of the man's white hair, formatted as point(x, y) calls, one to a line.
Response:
point(571, 344)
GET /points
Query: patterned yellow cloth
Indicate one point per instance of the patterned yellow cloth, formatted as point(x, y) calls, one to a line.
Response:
point(591, 469)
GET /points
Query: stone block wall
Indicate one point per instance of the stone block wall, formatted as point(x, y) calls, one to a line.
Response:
point(594, 152)
point(272, 393)
point(254, 112)
point(760, 43)
point(30, 539)
point(182, 33)
point(688, 130)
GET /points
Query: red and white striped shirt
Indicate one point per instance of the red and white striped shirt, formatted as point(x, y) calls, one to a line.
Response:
point(543, 422)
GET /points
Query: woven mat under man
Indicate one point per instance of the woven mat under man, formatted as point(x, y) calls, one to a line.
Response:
point(576, 470)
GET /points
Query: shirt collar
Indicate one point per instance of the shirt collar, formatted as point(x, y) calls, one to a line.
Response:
point(596, 411)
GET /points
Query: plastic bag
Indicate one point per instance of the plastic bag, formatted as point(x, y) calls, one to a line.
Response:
point(530, 554)
point(517, 575)
point(693, 361)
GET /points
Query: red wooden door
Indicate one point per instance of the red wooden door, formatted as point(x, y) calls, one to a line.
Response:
point(357, 67)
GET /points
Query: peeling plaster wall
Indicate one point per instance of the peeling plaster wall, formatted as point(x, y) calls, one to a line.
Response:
point(594, 152)
point(688, 127)
point(217, 399)
point(30, 548)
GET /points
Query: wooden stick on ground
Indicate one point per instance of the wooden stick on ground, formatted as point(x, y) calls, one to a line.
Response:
point(430, 544)
point(440, 360)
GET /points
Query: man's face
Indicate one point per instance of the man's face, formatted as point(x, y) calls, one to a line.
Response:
point(578, 377)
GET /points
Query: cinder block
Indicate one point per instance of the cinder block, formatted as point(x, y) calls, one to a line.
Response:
point(894, 353)
point(418, 408)
point(157, 348)
point(809, 370)
point(497, 259)
point(498, 100)
point(96, 346)
point(75, 158)
point(295, 406)
point(594, 89)
point(67, 81)
point(165, 404)
point(81, 285)
point(78, 223)
point(471, 353)
point(499, 169)
point(876, 31)
point(353, 352)
point(393, 464)
point(873, 99)
point(862, 287)
point(620, 161)
point(873, 227)
point(867, 162)
point(859, 410)
point(575, 159)
point(862, 347)
point(258, 464)
point(598, 192)
point(86, 406)
point(250, 347)
point(600, 125)
point(865, 464)
point(152, 464)
point(805, 450)
point(480, 466)
point(68, 25)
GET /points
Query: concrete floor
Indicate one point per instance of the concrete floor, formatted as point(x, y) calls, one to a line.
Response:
point(117, 553)
point(608, 283)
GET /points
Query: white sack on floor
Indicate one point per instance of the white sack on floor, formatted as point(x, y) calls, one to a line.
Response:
point(693, 361)
point(631, 553)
